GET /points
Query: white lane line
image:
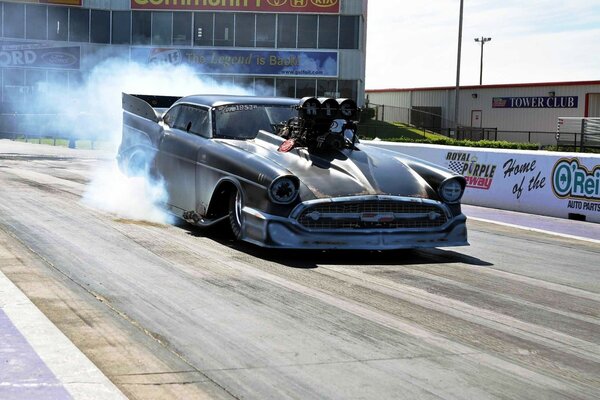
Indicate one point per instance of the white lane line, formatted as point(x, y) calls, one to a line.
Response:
point(527, 228)
point(79, 376)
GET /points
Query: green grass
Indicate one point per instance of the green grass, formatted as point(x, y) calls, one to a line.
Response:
point(384, 130)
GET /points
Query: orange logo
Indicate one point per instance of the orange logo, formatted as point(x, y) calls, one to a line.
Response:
point(276, 3)
point(299, 3)
point(324, 3)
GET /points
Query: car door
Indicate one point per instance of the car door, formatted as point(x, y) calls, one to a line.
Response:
point(186, 128)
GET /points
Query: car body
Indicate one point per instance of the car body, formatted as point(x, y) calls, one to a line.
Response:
point(282, 180)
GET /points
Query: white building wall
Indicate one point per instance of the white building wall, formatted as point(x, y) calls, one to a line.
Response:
point(514, 124)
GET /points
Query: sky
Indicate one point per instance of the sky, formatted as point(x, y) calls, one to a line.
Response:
point(413, 44)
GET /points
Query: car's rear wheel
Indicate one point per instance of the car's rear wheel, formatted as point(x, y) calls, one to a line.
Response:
point(236, 220)
point(137, 163)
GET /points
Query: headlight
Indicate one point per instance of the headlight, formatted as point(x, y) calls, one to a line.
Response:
point(283, 190)
point(451, 190)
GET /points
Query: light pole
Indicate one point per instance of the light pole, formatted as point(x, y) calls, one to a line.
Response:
point(456, 91)
point(482, 40)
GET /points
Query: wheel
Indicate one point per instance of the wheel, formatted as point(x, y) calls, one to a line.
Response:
point(236, 204)
point(137, 163)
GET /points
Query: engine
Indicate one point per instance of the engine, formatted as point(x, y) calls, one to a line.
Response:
point(322, 125)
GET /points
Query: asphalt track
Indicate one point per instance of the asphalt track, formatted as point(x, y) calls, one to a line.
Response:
point(170, 311)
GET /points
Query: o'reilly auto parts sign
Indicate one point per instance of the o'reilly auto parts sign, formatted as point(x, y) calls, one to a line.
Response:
point(536, 102)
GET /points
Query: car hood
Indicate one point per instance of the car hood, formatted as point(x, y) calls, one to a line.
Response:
point(365, 171)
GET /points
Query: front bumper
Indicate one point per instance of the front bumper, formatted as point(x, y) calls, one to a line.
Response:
point(272, 231)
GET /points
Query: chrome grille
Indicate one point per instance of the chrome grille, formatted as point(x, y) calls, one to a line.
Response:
point(372, 214)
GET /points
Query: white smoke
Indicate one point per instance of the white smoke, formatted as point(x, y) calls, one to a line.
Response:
point(93, 109)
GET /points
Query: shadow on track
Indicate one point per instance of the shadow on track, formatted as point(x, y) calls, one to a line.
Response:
point(310, 259)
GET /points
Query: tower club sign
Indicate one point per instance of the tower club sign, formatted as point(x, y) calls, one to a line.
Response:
point(294, 6)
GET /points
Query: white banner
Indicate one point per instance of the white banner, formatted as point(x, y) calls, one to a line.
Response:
point(536, 182)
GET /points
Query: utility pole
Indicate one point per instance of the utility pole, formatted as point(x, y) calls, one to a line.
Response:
point(456, 94)
point(482, 40)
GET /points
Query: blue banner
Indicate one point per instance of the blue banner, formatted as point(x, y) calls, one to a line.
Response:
point(244, 62)
point(536, 102)
point(39, 55)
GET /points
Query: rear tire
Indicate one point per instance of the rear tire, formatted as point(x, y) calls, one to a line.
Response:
point(137, 163)
point(236, 220)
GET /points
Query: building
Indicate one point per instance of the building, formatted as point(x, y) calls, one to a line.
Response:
point(514, 112)
point(291, 48)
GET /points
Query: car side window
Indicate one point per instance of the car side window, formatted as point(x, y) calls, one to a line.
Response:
point(171, 115)
point(193, 120)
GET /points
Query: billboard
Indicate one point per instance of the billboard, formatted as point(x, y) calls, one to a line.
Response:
point(271, 6)
point(244, 62)
point(39, 55)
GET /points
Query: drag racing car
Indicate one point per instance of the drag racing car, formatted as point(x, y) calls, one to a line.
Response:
point(288, 173)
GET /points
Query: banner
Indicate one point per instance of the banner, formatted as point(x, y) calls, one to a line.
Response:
point(271, 6)
point(536, 102)
point(39, 55)
point(244, 62)
point(536, 182)
point(62, 2)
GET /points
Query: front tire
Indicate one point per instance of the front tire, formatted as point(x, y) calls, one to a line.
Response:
point(236, 220)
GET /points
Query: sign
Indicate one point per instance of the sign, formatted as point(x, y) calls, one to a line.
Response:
point(534, 182)
point(63, 2)
point(244, 62)
point(272, 6)
point(536, 102)
point(39, 55)
point(478, 175)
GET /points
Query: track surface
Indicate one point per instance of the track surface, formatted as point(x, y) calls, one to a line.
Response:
point(173, 312)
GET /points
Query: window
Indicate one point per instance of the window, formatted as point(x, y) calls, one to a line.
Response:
point(36, 23)
point(79, 25)
point(171, 115)
point(306, 87)
point(100, 30)
point(34, 79)
point(162, 25)
point(349, 32)
point(348, 89)
point(58, 20)
point(286, 87)
point(203, 29)
point(327, 88)
point(265, 30)
point(13, 82)
point(223, 30)
point(141, 27)
point(286, 30)
point(121, 27)
point(14, 20)
point(328, 32)
point(245, 83)
point(307, 31)
point(193, 120)
point(58, 78)
point(264, 86)
point(244, 30)
point(182, 28)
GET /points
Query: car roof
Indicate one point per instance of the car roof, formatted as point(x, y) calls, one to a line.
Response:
point(215, 100)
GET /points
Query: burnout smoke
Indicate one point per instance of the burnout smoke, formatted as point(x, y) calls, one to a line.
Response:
point(93, 109)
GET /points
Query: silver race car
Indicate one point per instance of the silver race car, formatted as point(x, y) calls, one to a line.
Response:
point(288, 173)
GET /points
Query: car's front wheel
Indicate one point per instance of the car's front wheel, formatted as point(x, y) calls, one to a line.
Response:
point(236, 220)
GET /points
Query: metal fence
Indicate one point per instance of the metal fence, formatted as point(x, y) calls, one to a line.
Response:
point(578, 132)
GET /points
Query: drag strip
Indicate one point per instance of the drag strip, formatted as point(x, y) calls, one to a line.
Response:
point(171, 311)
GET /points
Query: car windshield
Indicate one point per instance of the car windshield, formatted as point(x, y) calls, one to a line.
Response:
point(243, 121)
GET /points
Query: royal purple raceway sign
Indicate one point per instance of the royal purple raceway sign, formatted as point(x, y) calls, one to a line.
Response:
point(38, 55)
point(536, 102)
point(244, 62)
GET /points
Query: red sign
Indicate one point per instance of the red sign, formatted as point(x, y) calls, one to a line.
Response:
point(271, 6)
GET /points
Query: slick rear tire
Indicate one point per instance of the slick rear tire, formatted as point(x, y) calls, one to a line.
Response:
point(137, 163)
point(236, 220)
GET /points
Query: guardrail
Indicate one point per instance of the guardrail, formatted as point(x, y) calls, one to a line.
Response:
point(39, 126)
